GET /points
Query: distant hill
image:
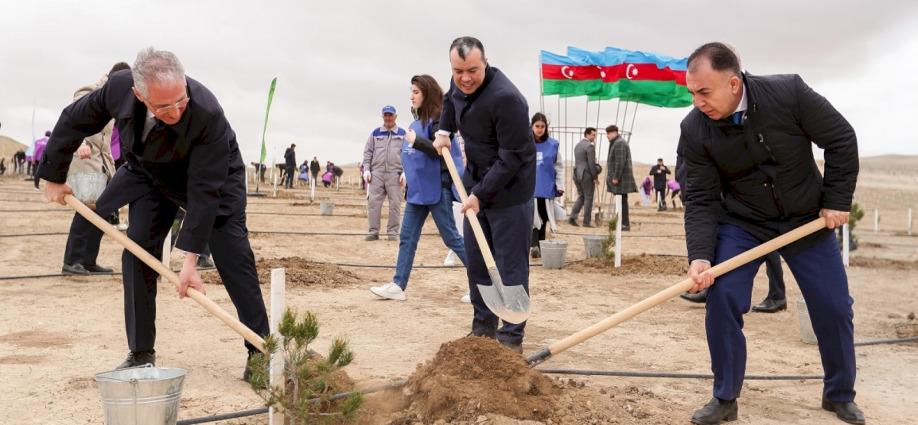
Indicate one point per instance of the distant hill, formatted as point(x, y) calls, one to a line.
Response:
point(9, 146)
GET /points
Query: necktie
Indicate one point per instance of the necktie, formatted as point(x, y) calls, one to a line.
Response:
point(737, 118)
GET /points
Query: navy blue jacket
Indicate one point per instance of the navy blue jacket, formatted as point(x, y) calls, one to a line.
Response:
point(761, 175)
point(499, 150)
point(196, 163)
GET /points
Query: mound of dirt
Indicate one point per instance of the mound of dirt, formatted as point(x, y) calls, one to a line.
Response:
point(298, 272)
point(641, 264)
point(882, 263)
point(474, 376)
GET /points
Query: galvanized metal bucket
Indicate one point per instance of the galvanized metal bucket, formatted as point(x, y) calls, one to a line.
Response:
point(141, 395)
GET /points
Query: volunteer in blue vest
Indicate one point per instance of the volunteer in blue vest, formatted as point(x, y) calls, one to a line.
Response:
point(549, 181)
point(429, 184)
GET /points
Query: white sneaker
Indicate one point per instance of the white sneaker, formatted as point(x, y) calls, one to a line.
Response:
point(450, 259)
point(390, 291)
point(466, 298)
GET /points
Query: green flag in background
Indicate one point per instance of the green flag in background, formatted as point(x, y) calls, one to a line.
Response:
point(264, 152)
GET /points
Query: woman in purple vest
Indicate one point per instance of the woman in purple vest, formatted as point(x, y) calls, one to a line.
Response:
point(430, 187)
point(549, 181)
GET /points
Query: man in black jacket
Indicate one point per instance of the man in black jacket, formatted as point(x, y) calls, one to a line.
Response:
point(749, 175)
point(493, 118)
point(180, 151)
point(289, 166)
point(659, 173)
point(314, 169)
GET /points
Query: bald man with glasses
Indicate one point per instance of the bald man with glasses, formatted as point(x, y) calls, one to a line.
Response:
point(180, 152)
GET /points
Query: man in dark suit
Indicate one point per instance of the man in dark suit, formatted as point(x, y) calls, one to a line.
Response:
point(500, 176)
point(659, 173)
point(314, 169)
point(746, 166)
point(180, 151)
point(586, 178)
point(289, 166)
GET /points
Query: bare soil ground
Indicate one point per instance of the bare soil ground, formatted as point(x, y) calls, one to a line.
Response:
point(56, 331)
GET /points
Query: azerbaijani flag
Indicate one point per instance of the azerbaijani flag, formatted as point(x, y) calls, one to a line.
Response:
point(632, 76)
point(566, 76)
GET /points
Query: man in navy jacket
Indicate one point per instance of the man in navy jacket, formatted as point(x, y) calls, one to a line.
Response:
point(180, 151)
point(493, 118)
point(748, 173)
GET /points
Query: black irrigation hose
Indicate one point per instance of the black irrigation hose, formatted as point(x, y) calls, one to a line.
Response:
point(399, 384)
point(41, 210)
point(111, 273)
point(19, 235)
point(623, 236)
point(297, 214)
point(261, 411)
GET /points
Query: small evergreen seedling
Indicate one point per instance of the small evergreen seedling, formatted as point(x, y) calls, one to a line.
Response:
point(309, 380)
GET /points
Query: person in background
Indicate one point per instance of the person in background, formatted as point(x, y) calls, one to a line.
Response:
point(493, 118)
point(674, 191)
point(429, 184)
point(289, 166)
point(260, 169)
point(620, 172)
point(585, 178)
point(646, 190)
point(382, 169)
point(37, 151)
point(172, 161)
point(314, 168)
point(549, 181)
point(659, 173)
point(327, 178)
point(93, 156)
point(739, 194)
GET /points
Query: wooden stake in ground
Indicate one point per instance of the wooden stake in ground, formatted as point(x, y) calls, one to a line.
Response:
point(166, 272)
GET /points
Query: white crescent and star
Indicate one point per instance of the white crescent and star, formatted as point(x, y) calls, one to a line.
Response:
point(631, 71)
point(567, 72)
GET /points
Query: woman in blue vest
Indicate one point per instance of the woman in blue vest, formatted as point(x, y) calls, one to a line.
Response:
point(430, 187)
point(549, 181)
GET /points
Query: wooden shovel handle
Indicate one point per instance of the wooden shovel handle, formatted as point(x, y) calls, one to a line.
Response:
point(679, 288)
point(166, 272)
point(473, 219)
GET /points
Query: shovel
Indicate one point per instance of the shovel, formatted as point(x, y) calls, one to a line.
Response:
point(672, 291)
point(510, 303)
point(166, 272)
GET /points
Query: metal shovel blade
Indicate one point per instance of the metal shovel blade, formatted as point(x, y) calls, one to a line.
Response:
point(510, 303)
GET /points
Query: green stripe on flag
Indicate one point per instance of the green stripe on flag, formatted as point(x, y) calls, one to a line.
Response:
point(264, 151)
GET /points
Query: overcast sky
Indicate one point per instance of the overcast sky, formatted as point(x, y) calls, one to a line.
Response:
point(339, 62)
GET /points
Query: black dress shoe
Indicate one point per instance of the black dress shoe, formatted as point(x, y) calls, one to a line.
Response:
point(573, 222)
point(771, 306)
point(139, 358)
point(77, 268)
point(626, 228)
point(95, 268)
point(846, 412)
point(698, 297)
point(589, 225)
point(205, 263)
point(515, 346)
point(715, 412)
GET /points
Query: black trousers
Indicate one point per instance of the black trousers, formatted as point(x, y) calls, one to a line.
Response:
point(151, 216)
point(541, 205)
point(82, 242)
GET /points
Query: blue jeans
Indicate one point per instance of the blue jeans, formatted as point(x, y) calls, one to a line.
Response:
point(821, 277)
point(413, 222)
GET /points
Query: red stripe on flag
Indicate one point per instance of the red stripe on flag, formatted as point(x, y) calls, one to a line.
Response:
point(570, 72)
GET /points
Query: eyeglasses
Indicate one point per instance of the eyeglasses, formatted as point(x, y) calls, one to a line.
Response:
point(169, 107)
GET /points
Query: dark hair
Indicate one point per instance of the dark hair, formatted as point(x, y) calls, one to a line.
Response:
point(464, 45)
point(538, 116)
point(118, 67)
point(659, 159)
point(612, 128)
point(432, 104)
point(721, 56)
point(588, 131)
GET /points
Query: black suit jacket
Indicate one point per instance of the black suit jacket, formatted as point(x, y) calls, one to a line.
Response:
point(195, 163)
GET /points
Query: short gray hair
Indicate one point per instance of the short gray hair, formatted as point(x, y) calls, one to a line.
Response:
point(156, 66)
